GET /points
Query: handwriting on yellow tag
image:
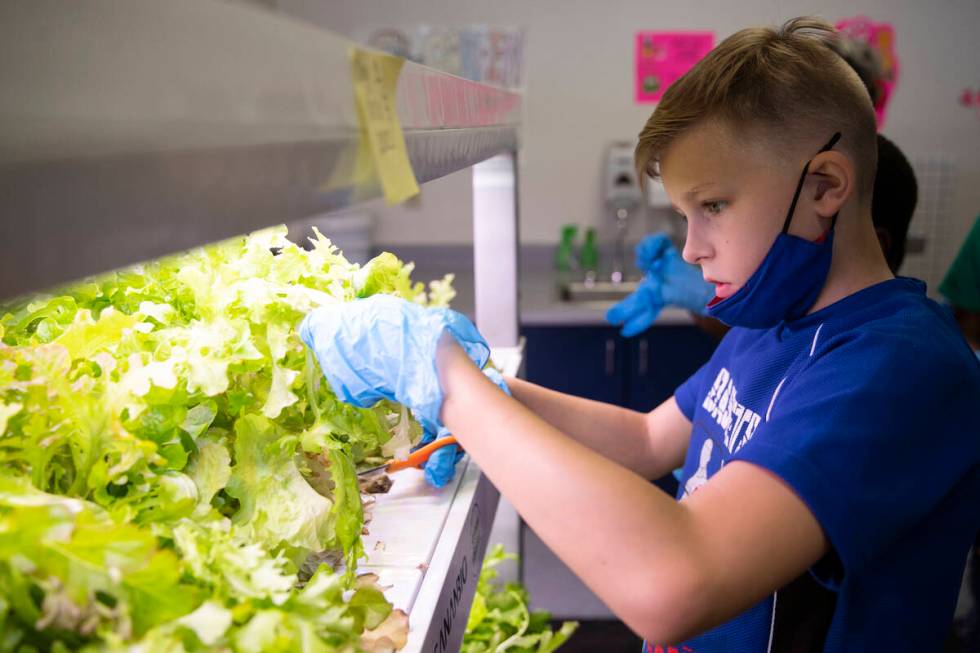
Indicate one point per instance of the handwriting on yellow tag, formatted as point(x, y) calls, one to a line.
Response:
point(375, 78)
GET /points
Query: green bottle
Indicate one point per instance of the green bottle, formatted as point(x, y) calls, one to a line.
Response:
point(565, 254)
point(589, 256)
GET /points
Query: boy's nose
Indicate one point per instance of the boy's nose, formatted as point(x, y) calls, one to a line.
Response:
point(696, 250)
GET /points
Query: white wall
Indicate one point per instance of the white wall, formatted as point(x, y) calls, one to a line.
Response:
point(579, 91)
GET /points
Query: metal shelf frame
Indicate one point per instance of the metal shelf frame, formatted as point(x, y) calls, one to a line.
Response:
point(133, 130)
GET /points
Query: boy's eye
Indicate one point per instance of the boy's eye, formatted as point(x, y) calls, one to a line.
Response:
point(714, 207)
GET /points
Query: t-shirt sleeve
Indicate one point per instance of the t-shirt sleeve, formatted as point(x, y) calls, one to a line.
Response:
point(871, 435)
point(689, 393)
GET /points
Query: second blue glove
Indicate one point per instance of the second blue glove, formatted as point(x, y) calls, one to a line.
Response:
point(668, 281)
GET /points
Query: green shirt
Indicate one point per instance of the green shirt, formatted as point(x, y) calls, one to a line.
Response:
point(961, 286)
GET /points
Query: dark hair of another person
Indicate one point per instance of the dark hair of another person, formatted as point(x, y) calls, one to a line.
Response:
point(893, 201)
point(895, 191)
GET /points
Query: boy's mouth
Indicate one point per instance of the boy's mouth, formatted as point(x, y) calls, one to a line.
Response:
point(722, 288)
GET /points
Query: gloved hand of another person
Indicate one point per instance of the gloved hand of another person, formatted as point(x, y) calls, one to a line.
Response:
point(667, 280)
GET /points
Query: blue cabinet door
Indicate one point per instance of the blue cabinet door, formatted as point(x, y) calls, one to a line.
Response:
point(662, 358)
point(597, 363)
point(585, 361)
point(659, 360)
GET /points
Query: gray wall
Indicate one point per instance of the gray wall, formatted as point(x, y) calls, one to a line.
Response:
point(579, 93)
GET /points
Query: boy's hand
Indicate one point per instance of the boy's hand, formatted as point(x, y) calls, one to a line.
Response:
point(441, 466)
point(498, 380)
point(384, 347)
point(668, 280)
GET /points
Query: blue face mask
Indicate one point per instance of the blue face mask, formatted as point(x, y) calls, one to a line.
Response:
point(788, 280)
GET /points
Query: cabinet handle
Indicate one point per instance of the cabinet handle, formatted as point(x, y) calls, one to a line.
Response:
point(610, 356)
point(644, 356)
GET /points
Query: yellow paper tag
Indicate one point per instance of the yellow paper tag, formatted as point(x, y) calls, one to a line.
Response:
point(375, 78)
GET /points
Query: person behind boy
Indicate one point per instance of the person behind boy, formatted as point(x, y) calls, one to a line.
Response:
point(961, 287)
point(814, 530)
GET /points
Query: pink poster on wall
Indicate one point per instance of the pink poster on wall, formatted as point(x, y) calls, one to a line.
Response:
point(662, 57)
point(880, 37)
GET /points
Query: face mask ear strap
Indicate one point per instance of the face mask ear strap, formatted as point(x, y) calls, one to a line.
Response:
point(830, 144)
point(799, 186)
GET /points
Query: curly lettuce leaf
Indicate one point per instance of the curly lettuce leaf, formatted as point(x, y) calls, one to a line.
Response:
point(230, 565)
point(500, 620)
point(278, 505)
point(210, 470)
point(349, 512)
point(66, 543)
point(386, 274)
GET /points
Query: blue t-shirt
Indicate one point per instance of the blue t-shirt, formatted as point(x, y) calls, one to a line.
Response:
point(868, 409)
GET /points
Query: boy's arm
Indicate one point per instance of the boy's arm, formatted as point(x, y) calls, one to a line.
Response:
point(650, 444)
point(667, 569)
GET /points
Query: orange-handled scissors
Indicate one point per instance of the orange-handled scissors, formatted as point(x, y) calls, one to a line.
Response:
point(416, 459)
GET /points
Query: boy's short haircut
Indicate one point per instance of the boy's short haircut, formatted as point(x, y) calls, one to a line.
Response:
point(784, 85)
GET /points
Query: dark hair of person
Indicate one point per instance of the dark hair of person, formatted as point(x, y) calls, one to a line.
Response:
point(893, 201)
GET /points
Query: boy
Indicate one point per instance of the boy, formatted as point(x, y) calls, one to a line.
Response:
point(668, 280)
point(803, 522)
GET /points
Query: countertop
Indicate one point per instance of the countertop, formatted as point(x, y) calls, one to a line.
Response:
point(540, 303)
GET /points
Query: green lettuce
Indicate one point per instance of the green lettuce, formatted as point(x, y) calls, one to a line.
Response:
point(169, 456)
point(278, 505)
point(93, 573)
point(499, 618)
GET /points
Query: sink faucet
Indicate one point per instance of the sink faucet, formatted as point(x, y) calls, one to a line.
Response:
point(619, 249)
point(622, 194)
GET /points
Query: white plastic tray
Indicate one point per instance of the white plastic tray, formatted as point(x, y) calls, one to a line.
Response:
point(428, 544)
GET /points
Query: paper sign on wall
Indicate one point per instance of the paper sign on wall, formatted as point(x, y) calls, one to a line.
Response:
point(880, 37)
point(662, 57)
point(375, 77)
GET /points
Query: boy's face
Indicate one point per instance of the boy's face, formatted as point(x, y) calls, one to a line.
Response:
point(734, 198)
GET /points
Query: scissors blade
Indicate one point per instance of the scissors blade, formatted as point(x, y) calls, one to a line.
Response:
point(415, 459)
point(372, 470)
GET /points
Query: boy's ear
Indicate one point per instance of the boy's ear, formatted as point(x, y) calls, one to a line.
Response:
point(835, 181)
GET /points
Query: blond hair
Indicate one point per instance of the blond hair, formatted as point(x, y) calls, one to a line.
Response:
point(787, 83)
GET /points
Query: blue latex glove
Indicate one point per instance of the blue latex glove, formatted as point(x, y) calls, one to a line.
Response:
point(650, 250)
point(441, 466)
point(668, 280)
point(498, 379)
point(384, 347)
